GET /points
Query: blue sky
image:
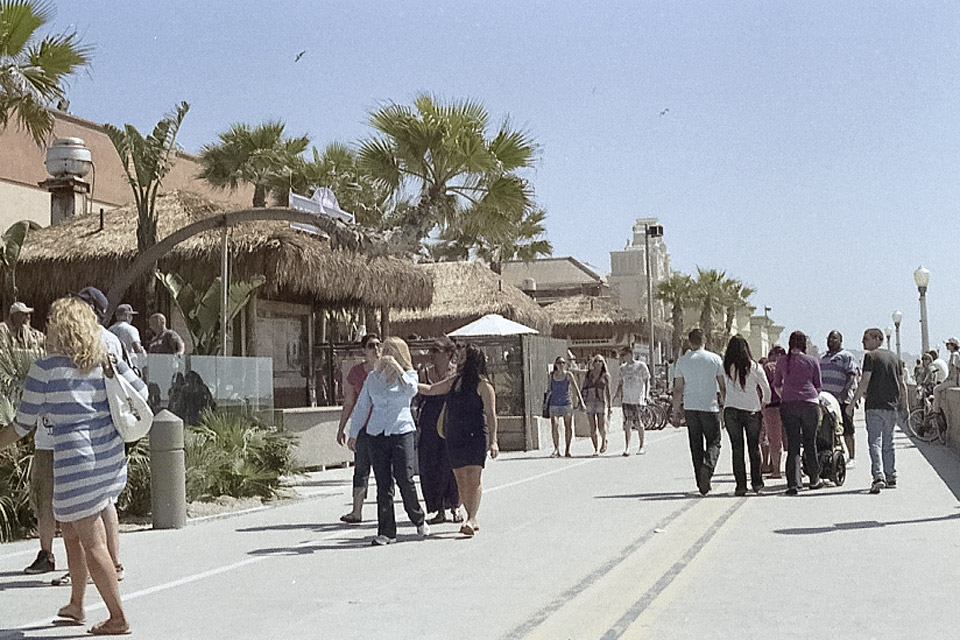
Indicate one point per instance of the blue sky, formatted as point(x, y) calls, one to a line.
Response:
point(810, 149)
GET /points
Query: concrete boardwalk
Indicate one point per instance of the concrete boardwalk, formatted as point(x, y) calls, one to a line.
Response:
point(607, 547)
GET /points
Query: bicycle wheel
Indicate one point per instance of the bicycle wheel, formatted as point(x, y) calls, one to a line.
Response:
point(648, 418)
point(928, 431)
point(915, 423)
point(660, 418)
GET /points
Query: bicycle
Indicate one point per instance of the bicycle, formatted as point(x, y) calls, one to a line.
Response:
point(924, 423)
point(653, 417)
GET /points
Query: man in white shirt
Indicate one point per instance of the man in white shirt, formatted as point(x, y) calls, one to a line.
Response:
point(952, 379)
point(938, 368)
point(123, 328)
point(634, 387)
point(698, 379)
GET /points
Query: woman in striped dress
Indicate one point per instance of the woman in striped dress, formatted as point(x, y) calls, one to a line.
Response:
point(65, 393)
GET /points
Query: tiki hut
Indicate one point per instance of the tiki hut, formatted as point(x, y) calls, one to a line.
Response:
point(464, 292)
point(592, 324)
point(298, 266)
point(308, 271)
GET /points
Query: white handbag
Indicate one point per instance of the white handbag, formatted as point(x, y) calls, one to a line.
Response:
point(131, 414)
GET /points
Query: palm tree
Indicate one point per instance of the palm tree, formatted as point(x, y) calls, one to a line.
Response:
point(458, 175)
point(337, 168)
point(251, 155)
point(146, 161)
point(676, 291)
point(32, 71)
point(521, 241)
point(708, 290)
point(734, 300)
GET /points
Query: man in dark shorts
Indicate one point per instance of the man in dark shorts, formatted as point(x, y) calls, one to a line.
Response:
point(885, 392)
point(838, 375)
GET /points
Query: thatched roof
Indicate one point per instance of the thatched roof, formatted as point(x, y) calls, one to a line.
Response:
point(464, 292)
point(76, 253)
point(584, 317)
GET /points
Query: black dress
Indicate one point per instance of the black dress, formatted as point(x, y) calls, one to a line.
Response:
point(466, 432)
point(437, 482)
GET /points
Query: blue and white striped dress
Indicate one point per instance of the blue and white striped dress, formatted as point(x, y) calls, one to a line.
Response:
point(89, 465)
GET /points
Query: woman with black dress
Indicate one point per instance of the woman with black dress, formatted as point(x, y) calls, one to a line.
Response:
point(470, 428)
point(437, 482)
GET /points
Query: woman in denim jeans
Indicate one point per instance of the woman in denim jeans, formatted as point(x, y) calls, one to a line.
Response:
point(797, 380)
point(386, 397)
point(741, 410)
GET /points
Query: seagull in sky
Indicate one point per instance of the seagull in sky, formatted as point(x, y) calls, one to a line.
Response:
point(300, 55)
point(664, 112)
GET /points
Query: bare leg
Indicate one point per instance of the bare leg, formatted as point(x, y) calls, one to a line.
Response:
point(602, 425)
point(555, 432)
point(592, 419)
point(77, 564)
point(641, 433)
point(93, 541)
point(627, 428)
point(471, 490)
point(111, 524)
point(568, 432)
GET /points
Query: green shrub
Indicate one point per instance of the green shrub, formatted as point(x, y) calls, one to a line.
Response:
point(236, 455)
point(16, 517)
point(135, 499)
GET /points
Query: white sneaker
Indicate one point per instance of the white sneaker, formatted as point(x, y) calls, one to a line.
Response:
point(423, 529)
point(642, 451)
point(382, 541)
point(851, 463)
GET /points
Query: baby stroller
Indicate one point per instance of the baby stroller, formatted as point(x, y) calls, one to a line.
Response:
point(833, 463)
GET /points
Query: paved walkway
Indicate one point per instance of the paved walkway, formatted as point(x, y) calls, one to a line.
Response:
point(587, 547)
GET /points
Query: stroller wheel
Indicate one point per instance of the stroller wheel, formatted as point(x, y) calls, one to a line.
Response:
point(839, 468)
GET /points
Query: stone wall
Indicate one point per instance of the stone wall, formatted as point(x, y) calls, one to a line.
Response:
point(952, 410)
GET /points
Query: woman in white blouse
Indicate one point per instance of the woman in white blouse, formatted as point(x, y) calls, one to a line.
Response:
point(747, 391)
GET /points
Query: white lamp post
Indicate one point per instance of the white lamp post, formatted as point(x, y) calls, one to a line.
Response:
point(889, 332)
point(650, 231)
point(922, 277)
point(897, 317)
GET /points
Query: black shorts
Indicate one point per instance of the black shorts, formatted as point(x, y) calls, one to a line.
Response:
point(847, 420)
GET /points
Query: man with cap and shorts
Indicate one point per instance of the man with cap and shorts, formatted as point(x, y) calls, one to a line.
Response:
point(16, 330)
point(953, 374)
point(123, 328)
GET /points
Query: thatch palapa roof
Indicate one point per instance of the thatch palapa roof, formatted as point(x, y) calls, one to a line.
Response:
point(588, 317)
point(321, 268)
point(464, 292)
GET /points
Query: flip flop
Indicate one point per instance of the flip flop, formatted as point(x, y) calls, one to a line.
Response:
point(457, 517)
point(467, 530)
point(106, 629)
point(350, 519)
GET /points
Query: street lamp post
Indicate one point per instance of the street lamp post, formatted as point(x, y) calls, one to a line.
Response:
point(897, 317)
point(650, 231)
point(889, 332)
point(922, 277)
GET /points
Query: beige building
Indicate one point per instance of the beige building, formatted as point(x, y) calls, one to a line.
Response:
point(550, 279)
point(22, 170)
point(628, 270)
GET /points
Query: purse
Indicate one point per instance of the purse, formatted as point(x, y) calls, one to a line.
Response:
point(545, 411)
point(131, 414)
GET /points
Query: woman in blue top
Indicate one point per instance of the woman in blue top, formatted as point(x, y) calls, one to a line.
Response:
point(561, 387)
point(66, 393)
point(385, 397)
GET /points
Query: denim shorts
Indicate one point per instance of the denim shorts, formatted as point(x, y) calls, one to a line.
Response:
point(561, 411)
point(595, 407)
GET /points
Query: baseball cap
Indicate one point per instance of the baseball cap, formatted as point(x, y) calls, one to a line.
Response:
point(953, 341)
point(19, 307)
point(126, 308)
point(95, 298)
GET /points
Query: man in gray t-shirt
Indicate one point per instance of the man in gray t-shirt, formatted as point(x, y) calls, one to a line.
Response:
point(698, 378)
point(882, 386)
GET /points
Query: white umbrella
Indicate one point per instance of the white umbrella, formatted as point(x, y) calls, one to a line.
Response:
point(492, 325)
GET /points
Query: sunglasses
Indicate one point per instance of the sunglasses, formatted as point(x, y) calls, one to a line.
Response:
point(373, 345)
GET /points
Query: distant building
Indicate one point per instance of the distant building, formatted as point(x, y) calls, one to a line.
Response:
point(628, 270)
point(548, 280)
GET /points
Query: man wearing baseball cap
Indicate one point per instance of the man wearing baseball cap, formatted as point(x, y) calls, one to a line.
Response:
point(123, 328)
point(95, 298)
point(16, 329)
point(953, 374)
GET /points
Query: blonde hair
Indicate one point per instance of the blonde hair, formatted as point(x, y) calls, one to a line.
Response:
point(73, 331)
point(397, 348)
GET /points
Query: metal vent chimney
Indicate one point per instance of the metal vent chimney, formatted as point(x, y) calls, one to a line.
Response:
point(68, 161)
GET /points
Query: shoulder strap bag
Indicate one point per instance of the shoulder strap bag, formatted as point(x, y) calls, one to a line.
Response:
point(131, 414)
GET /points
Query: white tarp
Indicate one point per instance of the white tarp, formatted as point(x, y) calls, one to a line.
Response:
point(492, 325)
point(323, 202)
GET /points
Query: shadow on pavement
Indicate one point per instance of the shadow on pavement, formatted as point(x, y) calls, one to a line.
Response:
point(943, 460)
point(24, 584)
point(862, 524)
point(313, 526)
point(323, 483)
point(676, 495)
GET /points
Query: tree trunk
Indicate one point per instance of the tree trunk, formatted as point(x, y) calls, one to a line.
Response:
point(259, 196)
